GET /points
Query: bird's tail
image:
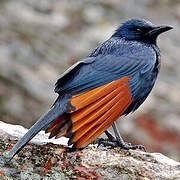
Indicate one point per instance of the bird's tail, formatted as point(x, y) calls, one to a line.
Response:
point(56, 111)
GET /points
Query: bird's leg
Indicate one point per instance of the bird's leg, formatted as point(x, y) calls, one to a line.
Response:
point(112, 141)
point(110, 136)
point(106, 142)
point(118, 141)
point(121, 142)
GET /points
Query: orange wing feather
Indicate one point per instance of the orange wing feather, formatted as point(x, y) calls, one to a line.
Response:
point(95, 111)
point(100, 110)
point(80, 101)
point(115, 108)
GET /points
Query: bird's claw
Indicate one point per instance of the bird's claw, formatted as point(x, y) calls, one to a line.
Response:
point(128, 146)
point(114, 143)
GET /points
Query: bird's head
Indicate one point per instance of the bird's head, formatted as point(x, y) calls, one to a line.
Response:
point(141, 30)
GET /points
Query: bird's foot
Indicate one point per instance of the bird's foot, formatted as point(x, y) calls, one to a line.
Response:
point(106, 142)
point(112, 143)
point(128, 146)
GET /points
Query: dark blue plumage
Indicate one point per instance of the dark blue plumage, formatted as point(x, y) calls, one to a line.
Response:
point(125, 53)
point(130, 53)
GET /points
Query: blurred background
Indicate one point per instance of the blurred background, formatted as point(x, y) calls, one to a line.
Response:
point(40, 39)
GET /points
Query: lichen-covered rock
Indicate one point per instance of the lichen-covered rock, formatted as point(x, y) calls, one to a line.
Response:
point(122, 164)
point(45, 159)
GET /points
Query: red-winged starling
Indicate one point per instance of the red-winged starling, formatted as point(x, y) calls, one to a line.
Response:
point(112, 81)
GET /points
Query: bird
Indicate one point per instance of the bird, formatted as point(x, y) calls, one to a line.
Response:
point(112, 81)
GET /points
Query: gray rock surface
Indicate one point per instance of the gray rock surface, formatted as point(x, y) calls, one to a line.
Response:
point(41, 159)
point(40, 39)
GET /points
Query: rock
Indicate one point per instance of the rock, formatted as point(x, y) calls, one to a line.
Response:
point(117, 164)
point(45, 159)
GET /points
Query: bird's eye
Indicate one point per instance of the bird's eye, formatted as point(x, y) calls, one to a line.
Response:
point(138, 30)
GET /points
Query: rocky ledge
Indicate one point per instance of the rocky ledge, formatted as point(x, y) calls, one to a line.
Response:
point(45, 159)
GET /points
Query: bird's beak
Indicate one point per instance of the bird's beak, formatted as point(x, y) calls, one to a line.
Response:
point(158, 30)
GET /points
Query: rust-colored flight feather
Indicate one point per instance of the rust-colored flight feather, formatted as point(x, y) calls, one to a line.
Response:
point(119, 106)
point(89, 134)
point(54, 123)
point(88, 97)
point(95, 110)
point(100, 111)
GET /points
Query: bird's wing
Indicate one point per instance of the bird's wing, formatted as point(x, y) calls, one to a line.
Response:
point(101, 91)
point(96, 71)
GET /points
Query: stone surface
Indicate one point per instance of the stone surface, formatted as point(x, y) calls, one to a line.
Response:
point(42, 159)
point(121, 164)
point(40, 39)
